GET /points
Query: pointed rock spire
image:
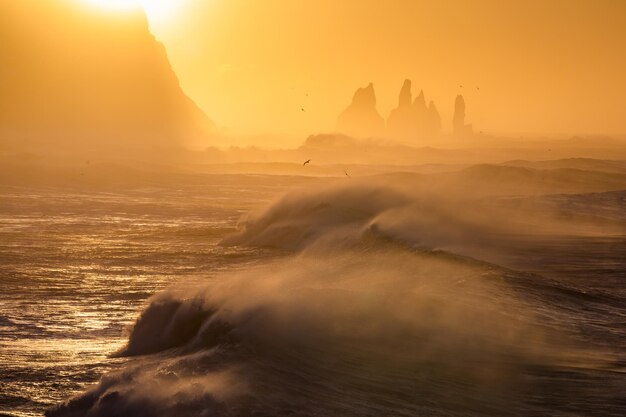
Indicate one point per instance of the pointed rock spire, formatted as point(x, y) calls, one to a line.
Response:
point(458, 121)
point(420, 101)
point(361, 118)
point(405, 98)
point(401, 122)
point(434, 119)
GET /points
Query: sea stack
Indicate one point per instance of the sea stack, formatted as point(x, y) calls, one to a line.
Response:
point(402, 122)
point(361, 118)
point(458, 121)
point(433, 124)
point(413, 121)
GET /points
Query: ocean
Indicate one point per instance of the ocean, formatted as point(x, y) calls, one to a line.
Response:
point(273, 295)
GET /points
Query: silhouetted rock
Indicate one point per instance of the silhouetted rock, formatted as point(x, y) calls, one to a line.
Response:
point(361, 118)
point(71, 74)
point(433, 125)
point(405, 98)
point(421, 115)
point(413, 121)
point(458, 121)
point(420, 102)
point(402, 122)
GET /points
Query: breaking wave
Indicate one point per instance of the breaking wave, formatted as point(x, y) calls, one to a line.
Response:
point(378, 302)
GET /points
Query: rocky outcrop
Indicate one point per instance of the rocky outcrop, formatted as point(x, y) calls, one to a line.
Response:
point(458, 121)
point(361, 118)
point(402, 122)
point(413, 121)
point(421, 115)
point(71, 75)
point(433, 124)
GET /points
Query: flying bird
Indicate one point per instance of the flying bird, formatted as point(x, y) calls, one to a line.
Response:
point(308, 161)
point(302, 109)
point(347, 175)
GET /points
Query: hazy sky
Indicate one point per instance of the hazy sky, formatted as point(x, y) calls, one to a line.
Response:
point(553, 66)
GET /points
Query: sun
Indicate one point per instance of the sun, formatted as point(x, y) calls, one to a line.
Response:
point(157, 10)
point(117, 5)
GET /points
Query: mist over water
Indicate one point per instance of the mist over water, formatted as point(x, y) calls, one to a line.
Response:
point(383, 297)
point(77, 264)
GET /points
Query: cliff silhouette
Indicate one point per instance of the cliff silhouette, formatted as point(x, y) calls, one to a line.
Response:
point(73, 75)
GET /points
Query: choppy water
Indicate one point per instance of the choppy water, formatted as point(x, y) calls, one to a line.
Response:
point(358, 321)
point(76, 267)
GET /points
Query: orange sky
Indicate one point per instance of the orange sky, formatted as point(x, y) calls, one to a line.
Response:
point(543, 66)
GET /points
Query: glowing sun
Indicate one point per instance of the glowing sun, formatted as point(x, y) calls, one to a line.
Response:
point(157, 10)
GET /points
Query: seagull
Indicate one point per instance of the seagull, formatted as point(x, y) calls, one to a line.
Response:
point(308, 161)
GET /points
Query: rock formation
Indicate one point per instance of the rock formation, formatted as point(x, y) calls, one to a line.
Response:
point(74, 76)
point(413, 121)
point(360, 118)
point(421, 114)
point(433, 125)
point(402, 122)
point(458, 121)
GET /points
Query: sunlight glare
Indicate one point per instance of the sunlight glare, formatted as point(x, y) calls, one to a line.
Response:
point(157, 10)
point(117, 5)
